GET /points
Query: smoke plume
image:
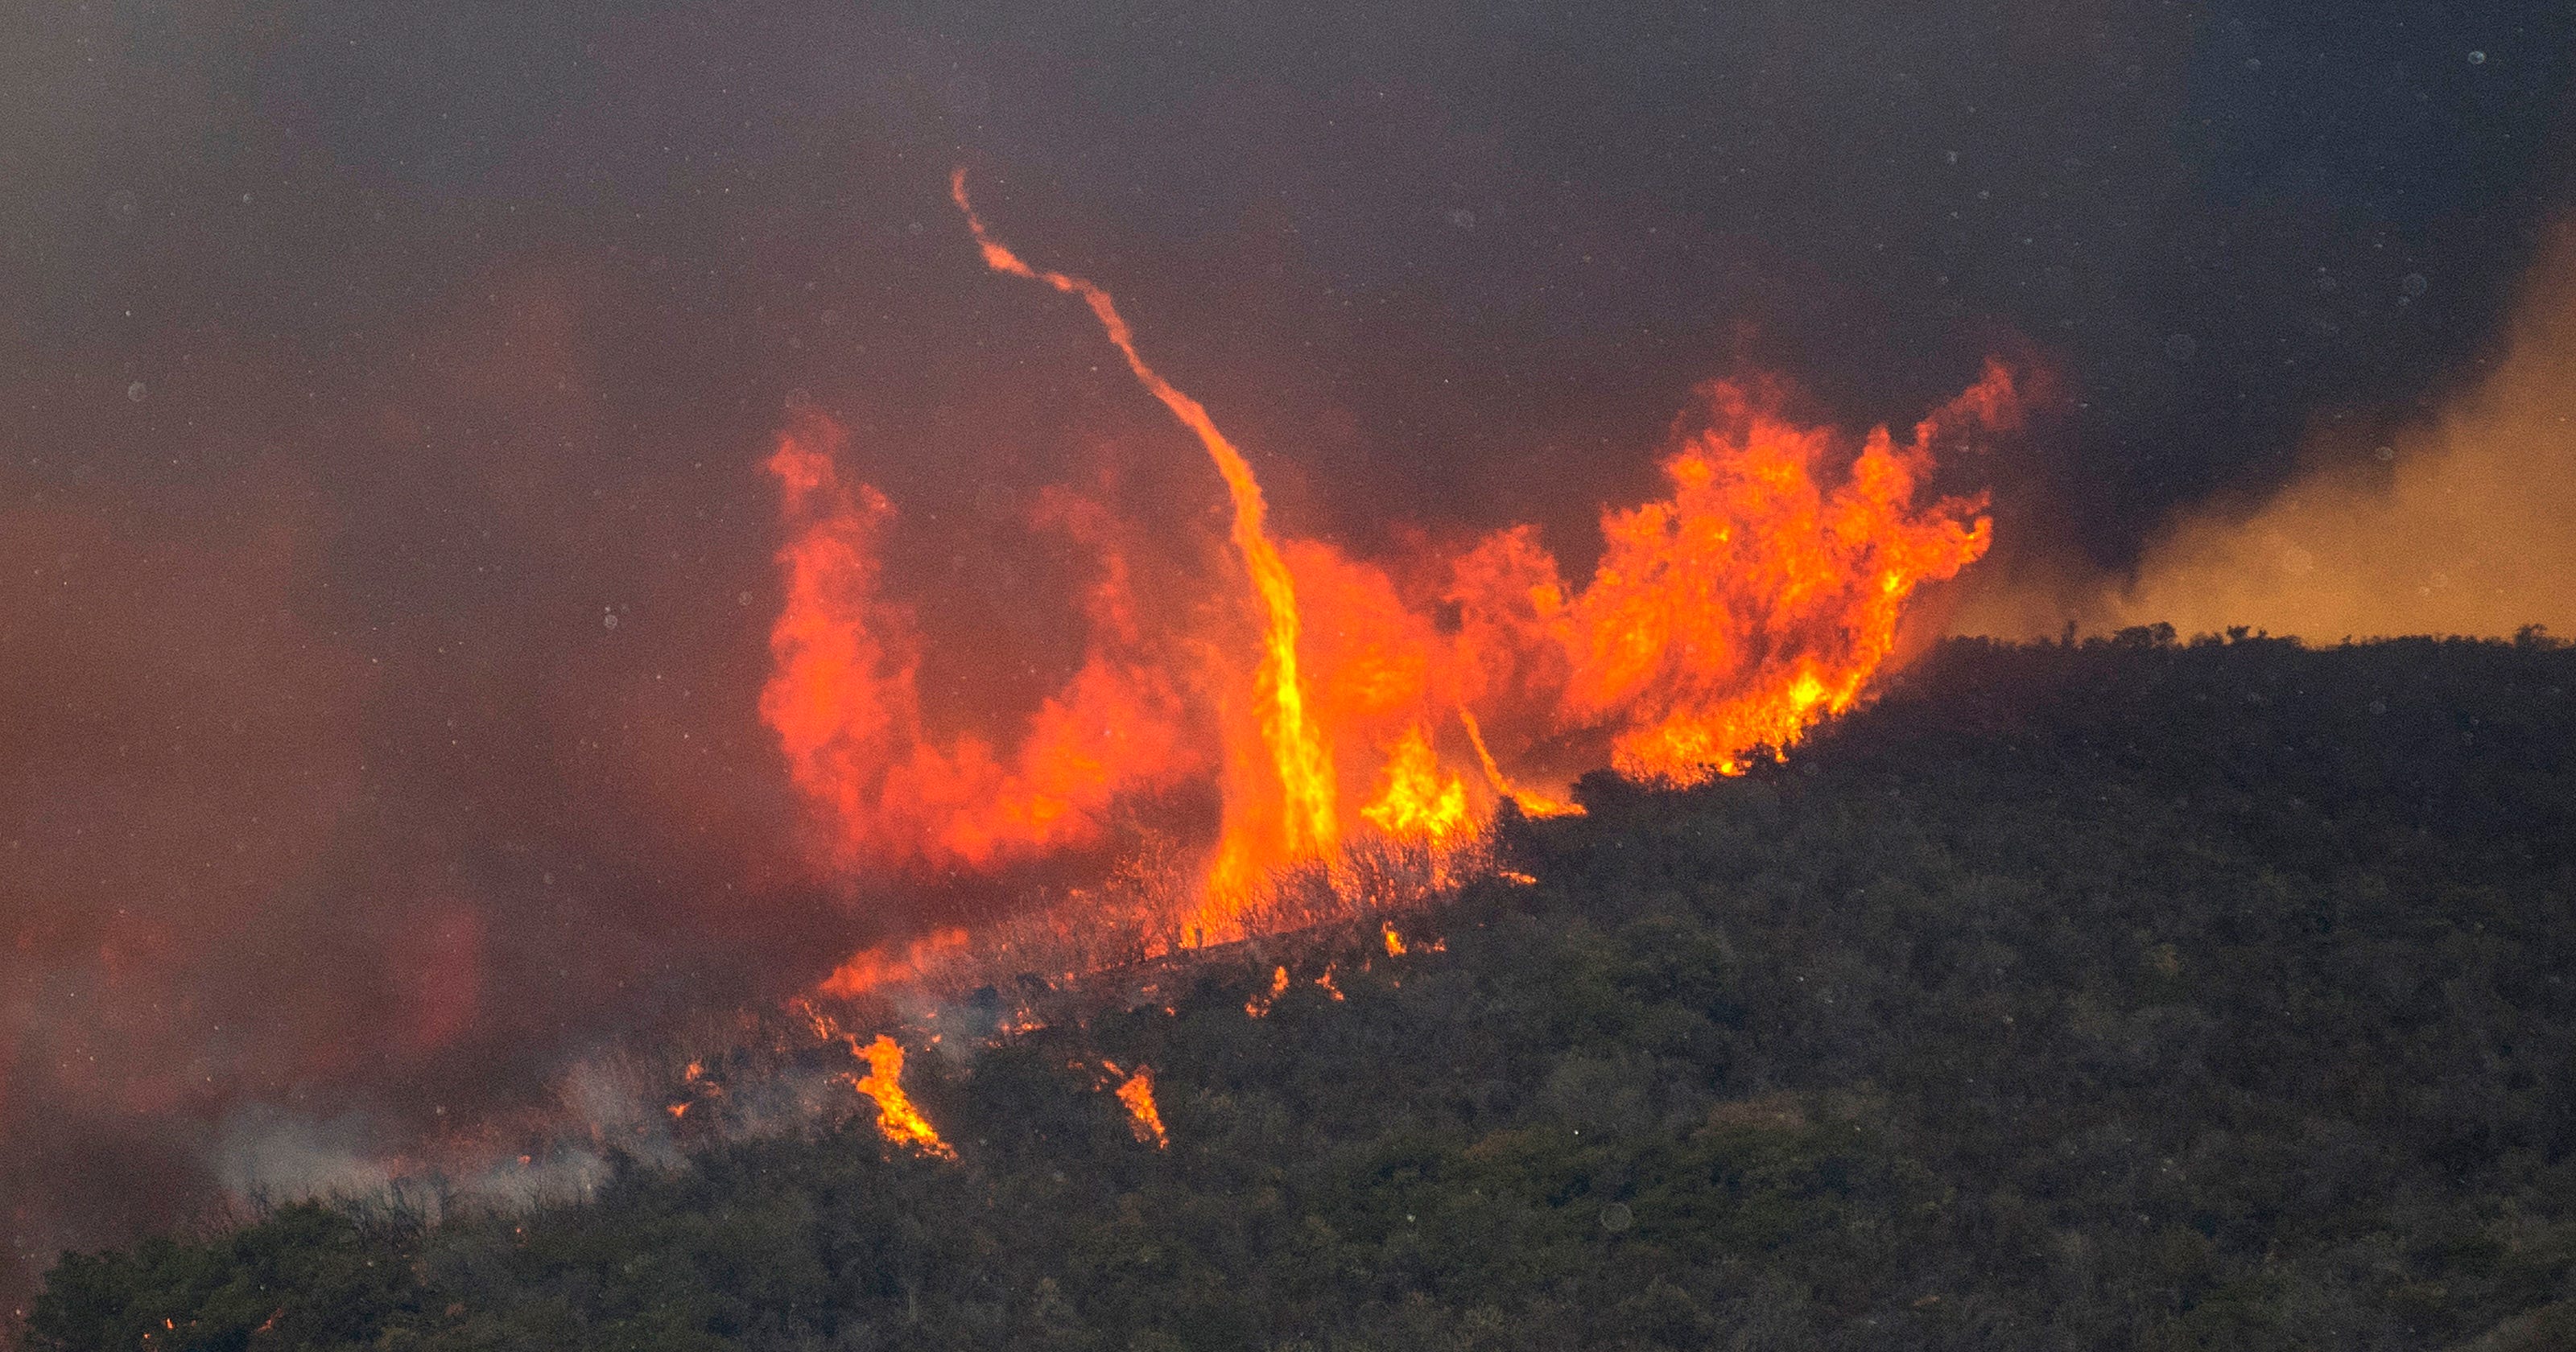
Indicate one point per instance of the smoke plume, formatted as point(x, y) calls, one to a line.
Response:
point(2462, 521)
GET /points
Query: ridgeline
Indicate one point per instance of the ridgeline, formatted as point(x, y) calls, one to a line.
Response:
point(2125, 995)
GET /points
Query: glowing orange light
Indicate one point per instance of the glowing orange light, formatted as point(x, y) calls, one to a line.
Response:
point(1298, 754)
point(1260, 1003)
point(874, 967)
point(1137, 1092)
point(1758, 597)
point(897, 1118)
point(1418, 799)
point(1530, 802)
point(843, 703)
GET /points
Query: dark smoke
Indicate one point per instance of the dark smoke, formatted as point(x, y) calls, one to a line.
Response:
point(385, 564)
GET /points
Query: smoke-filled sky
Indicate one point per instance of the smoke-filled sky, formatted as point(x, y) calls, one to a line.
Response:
point(386, 565)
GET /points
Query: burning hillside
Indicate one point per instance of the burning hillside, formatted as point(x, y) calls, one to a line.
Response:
point(1760, 1065)
point(1334, 708)
point(538, 541)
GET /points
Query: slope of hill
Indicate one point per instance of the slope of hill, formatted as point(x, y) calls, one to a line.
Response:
point(2125, 995)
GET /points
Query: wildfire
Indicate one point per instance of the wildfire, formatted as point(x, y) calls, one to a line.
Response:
point(1137, 1093)
point(901, 1122)
point(1756, 599)
point(1394, 941)
point(1307, 826)
point(871, 968)
point(897, 1119)
point(694, 1081)
point(844, 704)
point(1419, 800)
point(1530, 803)
point(1261, 1001)
point(1755, 602)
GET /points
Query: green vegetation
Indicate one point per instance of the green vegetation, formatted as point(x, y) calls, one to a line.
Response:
point(2133, 995)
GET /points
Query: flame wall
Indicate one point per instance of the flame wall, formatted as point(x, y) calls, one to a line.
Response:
point(1720, 622)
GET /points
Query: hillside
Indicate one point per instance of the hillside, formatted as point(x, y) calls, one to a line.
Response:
point(2125, 995)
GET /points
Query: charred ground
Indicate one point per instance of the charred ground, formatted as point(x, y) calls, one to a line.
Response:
point(2131, 994)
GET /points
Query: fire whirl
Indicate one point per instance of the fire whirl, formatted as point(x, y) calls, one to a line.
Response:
point(1389, 708)
point(1304, 824)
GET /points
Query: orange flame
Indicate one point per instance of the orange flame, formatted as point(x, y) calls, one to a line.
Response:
point(1530, 803)
point(1394, 941)
point(1759, 597)
point(1308, 827)
point(1261, 1001)
point(1419, 801)
point(871, 968)
point(1744, 609)
point(842, 701)
point(1137, 1092)
point(897, 1118)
